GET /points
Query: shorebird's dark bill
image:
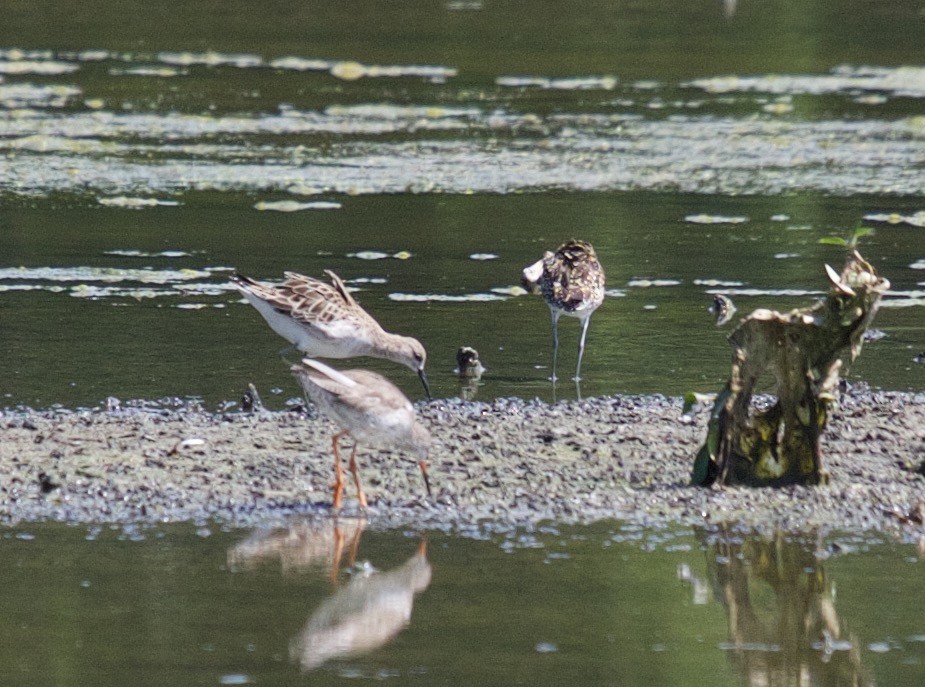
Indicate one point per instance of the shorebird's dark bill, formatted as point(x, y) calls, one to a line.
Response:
point(423, 376)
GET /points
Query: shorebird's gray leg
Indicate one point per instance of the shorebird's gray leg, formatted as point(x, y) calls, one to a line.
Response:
point(555, 340)
point(581, 346)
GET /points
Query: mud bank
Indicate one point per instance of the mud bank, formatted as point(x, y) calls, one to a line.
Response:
point(510, 461)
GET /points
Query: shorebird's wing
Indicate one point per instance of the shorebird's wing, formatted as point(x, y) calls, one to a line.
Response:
point(338, 284)
point(251, 287)
point(318, 304)
point(574, 273)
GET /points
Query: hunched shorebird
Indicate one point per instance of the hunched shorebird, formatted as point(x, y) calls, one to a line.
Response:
point(571, 281)
point(369, 409)
point(324, 321)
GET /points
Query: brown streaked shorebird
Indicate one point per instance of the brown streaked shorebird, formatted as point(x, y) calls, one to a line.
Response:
point(324, 321)
point(369, 409)
point(571, 281)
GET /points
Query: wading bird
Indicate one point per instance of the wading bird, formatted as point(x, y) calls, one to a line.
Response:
point(369, 409)
point(571, 281)
point(324, 321)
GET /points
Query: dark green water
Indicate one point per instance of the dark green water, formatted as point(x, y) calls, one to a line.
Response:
point(601, 605)
point(444, 130)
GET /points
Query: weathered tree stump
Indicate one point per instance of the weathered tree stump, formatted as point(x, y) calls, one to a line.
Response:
point(801, 351)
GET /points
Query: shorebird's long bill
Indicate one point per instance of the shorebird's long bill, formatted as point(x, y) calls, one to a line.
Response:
point(423, 376)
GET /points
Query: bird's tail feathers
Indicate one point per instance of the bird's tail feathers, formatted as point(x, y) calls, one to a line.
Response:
point(328, 371)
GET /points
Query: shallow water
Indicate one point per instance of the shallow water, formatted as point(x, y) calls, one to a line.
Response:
point(147, 290)
point(609, 604)
point(427, 155)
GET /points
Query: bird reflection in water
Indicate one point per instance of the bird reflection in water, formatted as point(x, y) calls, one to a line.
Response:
point(365, 614)
point(362, 615)
point(303, 545)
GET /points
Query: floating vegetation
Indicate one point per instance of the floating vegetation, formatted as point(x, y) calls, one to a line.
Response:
point(31, 287)
point(778, 108)
point(579, 83)
point(900, 81)
point(780, 218)
point(89, 55)
point(904, 299)
point(444, 298)
point(716, 282)
point(871, 99)
point(648, 283)
point(380, 147)
point(300, 64)
point(766, 292)
point(366, 280)
point(379, 255)
point(483, 256)
point(510, 291)
point(296, 206)
point(413, 113)
point(301, 189)
point(100, 274)
point(785, 256)
point(45, 68)
point(29, 95)
point(96, 283)
point(144, 254)
point(916, 219)
point(714, 219)
point(141, 152)
point(52, 144)
point(156, 72)
point(210, 59)
point(351, 71)
point(20, 54)
point(136, 203)
point(463, 5)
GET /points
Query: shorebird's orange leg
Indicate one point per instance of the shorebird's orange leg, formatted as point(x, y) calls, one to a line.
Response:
point(423, 464)
point(356, 476)
point(338, 471)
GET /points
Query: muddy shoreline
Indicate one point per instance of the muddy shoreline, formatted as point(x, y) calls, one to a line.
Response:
point(510, 461)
